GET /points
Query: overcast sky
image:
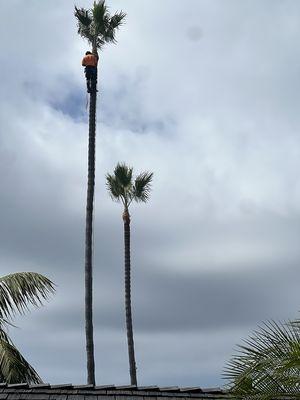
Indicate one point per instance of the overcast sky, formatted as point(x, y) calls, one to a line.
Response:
point(204, 93)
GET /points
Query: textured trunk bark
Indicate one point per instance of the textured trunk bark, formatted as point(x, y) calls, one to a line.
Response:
point(89, 242)
point(129, 329)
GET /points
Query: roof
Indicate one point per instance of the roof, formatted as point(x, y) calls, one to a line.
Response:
point(23, 391)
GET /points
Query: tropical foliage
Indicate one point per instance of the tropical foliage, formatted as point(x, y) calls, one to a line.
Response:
point(17, 292)
point(267, 365)
point(123, 188)
point(97, 25)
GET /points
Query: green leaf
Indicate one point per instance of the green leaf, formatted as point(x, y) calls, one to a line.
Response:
point(83, 16)
point(142, 186)
point(13, 366)
point(121, 187)
point(123, 175)
point(84, 23)
point(19, 290)
point(115, 22)
point(120, 184)
point(101, 18)
point(97, 25)
point(114, 188)
point(268, 363)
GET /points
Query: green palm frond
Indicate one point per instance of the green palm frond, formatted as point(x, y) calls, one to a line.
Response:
point(122, 188)
point(19, 290)
point(114, 188)
point(119, 184)
point(142, 186)
point(83, 16)
point(115, 22)
point(97, 25)
point(123, 174)
point(101, 18)
point(100, 11)
point(13, 366)
point(84, 22)
point(3, 335)
point(85, 33)
point(268, 363)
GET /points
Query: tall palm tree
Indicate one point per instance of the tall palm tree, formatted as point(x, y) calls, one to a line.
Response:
point(267, 365)
point(123, 189)
point(17, 292)
point(98, 27)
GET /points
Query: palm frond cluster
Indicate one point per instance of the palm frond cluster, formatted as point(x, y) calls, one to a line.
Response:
point(122, 188)
point(267, 365)
point(97, 25)
point(13, 366)
point(17, 292)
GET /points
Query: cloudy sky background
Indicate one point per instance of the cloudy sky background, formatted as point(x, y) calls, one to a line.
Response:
point(204, 93)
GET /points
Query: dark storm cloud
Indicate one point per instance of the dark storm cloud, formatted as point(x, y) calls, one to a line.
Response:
point(208, 302)
point(190, 303)
point(177, 299)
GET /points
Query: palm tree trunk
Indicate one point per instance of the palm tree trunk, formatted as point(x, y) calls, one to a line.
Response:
point(129, 329)
point(89, 242)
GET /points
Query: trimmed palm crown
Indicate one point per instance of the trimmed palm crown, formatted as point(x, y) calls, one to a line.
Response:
point(97, 25)
point(17, 292)
point(122, 188)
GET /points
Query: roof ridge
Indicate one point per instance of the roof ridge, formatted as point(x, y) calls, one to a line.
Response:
point(113, 388)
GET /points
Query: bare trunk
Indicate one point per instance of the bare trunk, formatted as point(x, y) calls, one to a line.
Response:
point(129, 329)
point(89, 242)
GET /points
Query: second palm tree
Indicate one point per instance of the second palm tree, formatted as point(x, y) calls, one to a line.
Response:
point(122, 188)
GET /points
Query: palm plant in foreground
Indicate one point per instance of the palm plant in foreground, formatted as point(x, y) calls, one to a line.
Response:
point(17, 292)
point(123, 189)
point(98, 27)
point(268, 363)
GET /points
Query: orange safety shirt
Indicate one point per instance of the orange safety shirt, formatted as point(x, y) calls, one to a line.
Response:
point(90, 60)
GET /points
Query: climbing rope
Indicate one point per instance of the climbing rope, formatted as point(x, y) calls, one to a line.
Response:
point(87, 102)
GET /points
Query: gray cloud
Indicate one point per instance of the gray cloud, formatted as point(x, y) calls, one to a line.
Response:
point(205, 95)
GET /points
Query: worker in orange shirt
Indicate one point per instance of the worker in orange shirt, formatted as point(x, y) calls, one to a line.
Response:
point(90, 62)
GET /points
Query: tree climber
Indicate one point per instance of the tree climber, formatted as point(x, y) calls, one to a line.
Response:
point(90, 62)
